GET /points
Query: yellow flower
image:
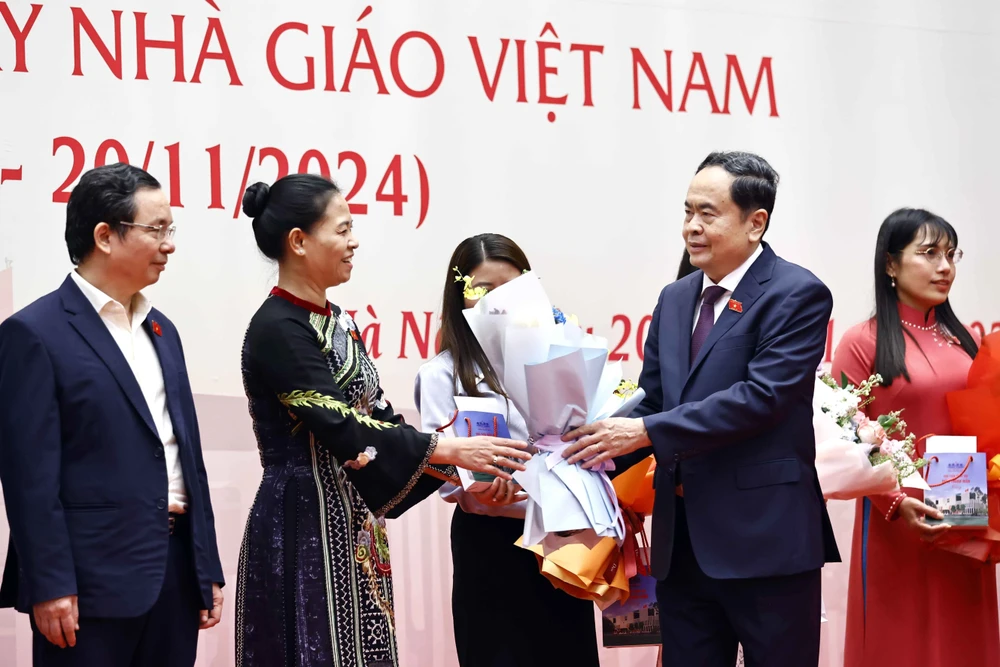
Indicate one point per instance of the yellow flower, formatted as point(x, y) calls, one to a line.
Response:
point(468, 291)
point(626, 388)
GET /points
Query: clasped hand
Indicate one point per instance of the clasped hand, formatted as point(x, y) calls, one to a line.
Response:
point(605, 440)
point(501, 492)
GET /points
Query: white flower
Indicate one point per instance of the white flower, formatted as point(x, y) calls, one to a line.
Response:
point(838, 410)
point(850, 434)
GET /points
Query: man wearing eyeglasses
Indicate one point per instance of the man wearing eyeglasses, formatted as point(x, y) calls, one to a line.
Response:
point(113, 550)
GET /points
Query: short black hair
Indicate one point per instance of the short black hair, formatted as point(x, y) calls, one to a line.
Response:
point(105, 194)
point(755, 182)
point(297, 200)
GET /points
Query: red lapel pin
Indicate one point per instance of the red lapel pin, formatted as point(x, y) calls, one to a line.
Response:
point(157, 329)
point(735, 306)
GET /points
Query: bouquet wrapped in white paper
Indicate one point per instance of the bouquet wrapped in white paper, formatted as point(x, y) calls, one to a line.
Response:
point(855, 456)
point(559, 378)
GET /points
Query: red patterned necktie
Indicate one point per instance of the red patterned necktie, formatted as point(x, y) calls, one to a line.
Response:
point(706, 319)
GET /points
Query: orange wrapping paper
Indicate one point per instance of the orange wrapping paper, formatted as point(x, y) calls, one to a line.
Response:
point(976, 411)
point(602, 574)
point(589, 574)
point(635, 487)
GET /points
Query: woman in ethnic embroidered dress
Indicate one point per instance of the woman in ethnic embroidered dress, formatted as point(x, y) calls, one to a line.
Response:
point(314, 576)
point(910, 604)
point(486, 525)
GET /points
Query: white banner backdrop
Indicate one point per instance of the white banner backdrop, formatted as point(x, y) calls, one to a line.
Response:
point(571, 126)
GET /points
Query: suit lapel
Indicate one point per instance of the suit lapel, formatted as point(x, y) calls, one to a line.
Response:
point(171, 379)
point(746, 293)
point(89, 325)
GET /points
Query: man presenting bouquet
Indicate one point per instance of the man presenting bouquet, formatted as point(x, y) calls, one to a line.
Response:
point(740, 529)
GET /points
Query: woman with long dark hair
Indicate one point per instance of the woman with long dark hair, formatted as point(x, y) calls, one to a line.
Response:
point(496, 584)
point(909, 603)
point(315, 586)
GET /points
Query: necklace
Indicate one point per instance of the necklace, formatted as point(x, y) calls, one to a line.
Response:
point(946, 339)
point(920, 328)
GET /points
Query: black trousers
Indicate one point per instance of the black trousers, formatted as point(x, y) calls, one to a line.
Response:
point(500, 602)
point(165, 636)
point(776, 619)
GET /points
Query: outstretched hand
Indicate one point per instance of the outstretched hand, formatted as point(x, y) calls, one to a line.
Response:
point(482, 454)
point(605, 440)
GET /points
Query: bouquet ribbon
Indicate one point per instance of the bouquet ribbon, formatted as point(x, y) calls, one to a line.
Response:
point(636, 545)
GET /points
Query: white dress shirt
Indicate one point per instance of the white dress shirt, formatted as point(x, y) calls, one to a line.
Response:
point(434, 393)
point(137, 347)
point(729, 283)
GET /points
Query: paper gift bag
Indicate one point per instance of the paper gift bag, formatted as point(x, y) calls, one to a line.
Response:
point(636, 621)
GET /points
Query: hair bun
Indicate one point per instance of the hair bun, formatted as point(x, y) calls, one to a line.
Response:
point(255, 199)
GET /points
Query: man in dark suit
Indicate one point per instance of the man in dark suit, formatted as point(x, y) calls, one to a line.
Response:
point(740, 529)
point(113, 550)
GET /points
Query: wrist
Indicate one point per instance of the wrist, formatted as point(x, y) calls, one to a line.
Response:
point(646, 442)
point(640, 438)
point(893, 512)
point(444, 450)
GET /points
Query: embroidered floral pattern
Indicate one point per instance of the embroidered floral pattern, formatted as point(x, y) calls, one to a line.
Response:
point(311, 398)
point(372, 553)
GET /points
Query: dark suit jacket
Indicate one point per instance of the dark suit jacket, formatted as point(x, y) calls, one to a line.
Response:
point(737, 424)
point(82, 466)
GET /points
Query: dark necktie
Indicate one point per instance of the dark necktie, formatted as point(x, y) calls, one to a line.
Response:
point(706, 318)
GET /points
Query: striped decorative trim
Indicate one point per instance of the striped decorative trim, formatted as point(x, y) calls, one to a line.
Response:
point(241, 584)
point(413, 480)
point(324, 537)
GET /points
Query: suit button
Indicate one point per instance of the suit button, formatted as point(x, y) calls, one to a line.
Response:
point(158, 453)
point(161, 504)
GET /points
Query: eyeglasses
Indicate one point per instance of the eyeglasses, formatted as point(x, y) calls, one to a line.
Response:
point(934, 255)
point(162, 233)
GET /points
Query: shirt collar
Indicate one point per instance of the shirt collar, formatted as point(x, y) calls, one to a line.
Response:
point(99, 300)
point(916, 317)
point(732, 281)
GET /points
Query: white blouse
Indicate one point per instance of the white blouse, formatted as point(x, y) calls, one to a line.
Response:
point(434, 393)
